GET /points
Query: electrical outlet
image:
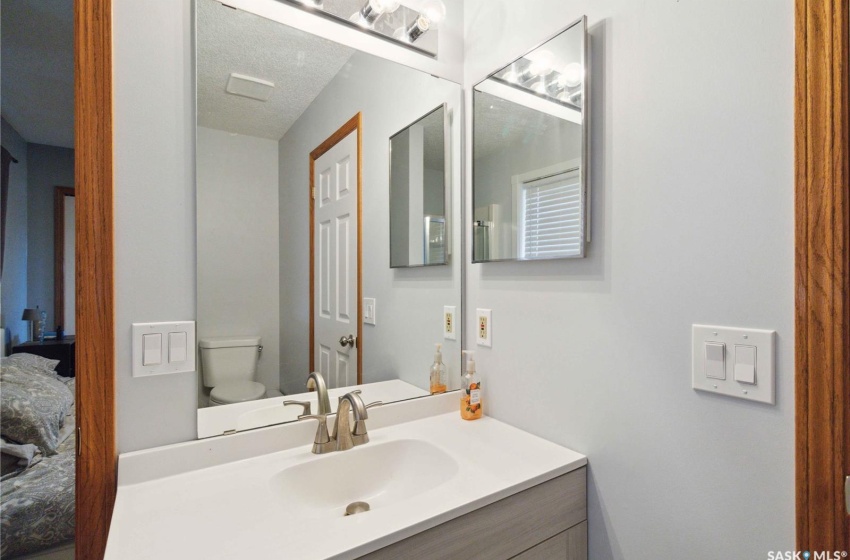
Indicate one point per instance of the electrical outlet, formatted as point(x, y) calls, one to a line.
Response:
point(449, 326)
point(484, 327)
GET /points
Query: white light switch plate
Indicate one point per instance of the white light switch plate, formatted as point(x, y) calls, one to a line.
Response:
point(449, 323)
point(738, 344)
point(370, 311)
point(168, 358)
point(484, 327)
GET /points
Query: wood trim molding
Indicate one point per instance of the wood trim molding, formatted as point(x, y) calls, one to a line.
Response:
point(59, 194)
point(95, 328)
point(355, 123)
point(822, 283)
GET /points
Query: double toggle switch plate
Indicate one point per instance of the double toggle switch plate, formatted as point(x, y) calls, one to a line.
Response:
point(734, 362)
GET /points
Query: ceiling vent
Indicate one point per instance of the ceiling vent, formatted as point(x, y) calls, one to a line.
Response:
point(246, 86)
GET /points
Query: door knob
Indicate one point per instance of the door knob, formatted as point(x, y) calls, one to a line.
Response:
point(349, 340)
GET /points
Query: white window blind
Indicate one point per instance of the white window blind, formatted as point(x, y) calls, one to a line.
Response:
point(550, 217)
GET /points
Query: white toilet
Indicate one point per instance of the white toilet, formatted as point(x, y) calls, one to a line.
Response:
point(229, 365)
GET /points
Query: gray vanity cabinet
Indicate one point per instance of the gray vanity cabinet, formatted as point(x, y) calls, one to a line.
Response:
point(545, 522)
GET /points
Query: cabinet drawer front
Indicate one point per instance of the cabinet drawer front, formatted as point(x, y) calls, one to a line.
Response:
point(501, 530)
point(569, 545)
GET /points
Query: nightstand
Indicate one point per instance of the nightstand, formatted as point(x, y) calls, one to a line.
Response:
point(62, 350)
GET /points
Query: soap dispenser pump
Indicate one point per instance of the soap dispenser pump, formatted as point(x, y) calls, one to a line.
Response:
point(470, 396)
point(438, 373)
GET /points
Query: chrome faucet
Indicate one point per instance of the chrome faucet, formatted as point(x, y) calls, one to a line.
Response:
point(343, 437)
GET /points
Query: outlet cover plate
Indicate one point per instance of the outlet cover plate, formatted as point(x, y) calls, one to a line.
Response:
point(449, 322)
point(484, 327)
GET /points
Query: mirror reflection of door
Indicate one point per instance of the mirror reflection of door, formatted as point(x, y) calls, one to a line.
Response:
point(334, 253)
point(64, 241)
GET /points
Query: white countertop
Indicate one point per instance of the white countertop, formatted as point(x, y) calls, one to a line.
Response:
point(231, 511)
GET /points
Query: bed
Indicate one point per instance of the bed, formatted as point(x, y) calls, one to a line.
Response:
point(37, 421)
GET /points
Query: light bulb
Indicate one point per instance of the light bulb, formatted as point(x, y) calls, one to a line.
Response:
point(542, 62)
point(540, 87)
point(384, 6)
point(372, 10)
point(434, 10)
point(573, 75)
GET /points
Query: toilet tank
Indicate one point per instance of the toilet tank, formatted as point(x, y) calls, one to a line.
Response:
point(229, 358)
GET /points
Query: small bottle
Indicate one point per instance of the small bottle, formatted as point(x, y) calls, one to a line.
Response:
point(438, 373)
point(470, 396)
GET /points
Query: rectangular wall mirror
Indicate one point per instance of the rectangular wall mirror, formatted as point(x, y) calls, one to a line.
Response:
point(530, 154)
point(293, 222)
point(418, 210)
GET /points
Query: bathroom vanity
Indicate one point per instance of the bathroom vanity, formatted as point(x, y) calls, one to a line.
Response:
point(437, 487)
point(545, 522)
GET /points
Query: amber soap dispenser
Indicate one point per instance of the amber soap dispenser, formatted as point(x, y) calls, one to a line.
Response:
point(438, 373)
point(470, 396)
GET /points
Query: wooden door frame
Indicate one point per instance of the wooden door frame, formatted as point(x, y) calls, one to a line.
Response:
point(59, 194)
point(95, 296)
point(822, 279)
point(354, 124)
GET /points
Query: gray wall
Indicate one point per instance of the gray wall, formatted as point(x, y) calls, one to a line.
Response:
point(409, 301)
point(48, 167)
point(692, 223)
point(14, 281)
point(154, 210)
point(238, 258)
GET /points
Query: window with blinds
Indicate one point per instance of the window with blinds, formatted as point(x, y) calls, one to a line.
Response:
point(550, 217)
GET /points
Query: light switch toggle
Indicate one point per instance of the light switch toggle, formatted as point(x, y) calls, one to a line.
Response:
point(715, 360)
point(745, 364)
point(152, 349)
point(176, 347)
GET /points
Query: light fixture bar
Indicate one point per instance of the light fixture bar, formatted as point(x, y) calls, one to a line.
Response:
point(378, 18)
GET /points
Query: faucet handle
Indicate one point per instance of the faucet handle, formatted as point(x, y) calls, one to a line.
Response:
point(308, 407)
point(354, 392)
point(360, 435)
point(322, 436)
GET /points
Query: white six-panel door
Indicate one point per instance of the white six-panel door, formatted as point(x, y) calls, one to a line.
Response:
point(335, 262)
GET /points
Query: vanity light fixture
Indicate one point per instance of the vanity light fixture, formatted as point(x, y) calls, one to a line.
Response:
point(390, 20)
point(432, 13)
point(373, 9)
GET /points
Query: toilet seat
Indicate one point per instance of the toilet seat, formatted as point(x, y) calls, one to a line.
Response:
point(237, 392)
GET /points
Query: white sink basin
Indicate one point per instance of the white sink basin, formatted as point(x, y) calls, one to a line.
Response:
point(379, 474)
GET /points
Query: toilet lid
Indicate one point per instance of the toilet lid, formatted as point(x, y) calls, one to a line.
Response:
point(237, 391)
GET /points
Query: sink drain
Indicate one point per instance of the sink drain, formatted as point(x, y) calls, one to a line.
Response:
point(356, 507)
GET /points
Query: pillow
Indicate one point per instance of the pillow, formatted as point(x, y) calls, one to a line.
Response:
point(32, 407)
point(32, 363)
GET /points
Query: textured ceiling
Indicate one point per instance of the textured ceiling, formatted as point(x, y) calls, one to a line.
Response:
point(38, 70)
point(434, 139)
point(499, 123)
point(299, 64)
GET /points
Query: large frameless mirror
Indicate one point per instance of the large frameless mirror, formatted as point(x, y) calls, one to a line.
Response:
point(418, 212)
point(530, 154)
point(293, 230)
